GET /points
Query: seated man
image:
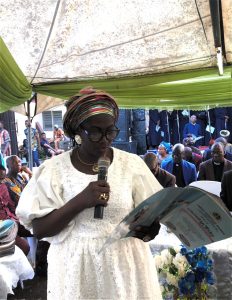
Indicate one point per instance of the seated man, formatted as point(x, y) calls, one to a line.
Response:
point(192, 129)
point(58, 135)
point(49, 151)
point(223, 141)
point(184, 171)
point(165, 178)
point(213, 169)
point(192, 157)
point(189, 142)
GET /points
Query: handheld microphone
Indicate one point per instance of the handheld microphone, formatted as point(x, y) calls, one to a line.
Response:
point(103, 165)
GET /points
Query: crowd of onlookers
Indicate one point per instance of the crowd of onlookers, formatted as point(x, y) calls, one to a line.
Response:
point(184, 163)
point(41, 147)
point(14, 176)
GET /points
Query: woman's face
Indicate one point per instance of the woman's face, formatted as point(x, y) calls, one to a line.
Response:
point(97, 134)
point(162, 150)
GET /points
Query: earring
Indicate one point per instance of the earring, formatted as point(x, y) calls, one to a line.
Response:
point(77, 139)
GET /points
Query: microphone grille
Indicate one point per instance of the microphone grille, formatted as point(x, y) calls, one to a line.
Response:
point(103, 162)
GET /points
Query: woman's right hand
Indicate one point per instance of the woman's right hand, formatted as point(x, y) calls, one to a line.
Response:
point(96, 193)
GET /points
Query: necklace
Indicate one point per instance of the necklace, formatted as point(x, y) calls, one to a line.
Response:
point(94, 165)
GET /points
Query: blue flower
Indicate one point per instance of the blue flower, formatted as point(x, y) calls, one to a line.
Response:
point(201, 264)
point(190, 277)
point(210, 262)
point(183, 250)
point(204, 250)
point(209, 278)
point(199, 276)
point(187, 284)
point(198, 251)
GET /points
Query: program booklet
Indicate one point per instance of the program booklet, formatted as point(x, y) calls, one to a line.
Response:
point(195, 216)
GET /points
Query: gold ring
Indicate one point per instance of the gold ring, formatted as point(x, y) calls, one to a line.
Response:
point(103, 196)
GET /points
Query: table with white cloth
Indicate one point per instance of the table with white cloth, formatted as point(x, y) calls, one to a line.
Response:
point(13, 268)
point(222, 255)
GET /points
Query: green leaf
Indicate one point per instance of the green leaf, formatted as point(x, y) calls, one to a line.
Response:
point(172, 251)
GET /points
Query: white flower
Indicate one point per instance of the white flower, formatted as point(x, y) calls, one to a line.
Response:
point(166, 257)
point(171, 279)
point(177, 249)
point(158, 262)
point(180, 259)
point(181, 264)
point(182, 270)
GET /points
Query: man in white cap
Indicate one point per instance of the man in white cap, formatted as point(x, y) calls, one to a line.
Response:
point(58, 135)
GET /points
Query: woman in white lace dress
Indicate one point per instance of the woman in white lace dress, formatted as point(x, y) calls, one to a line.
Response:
point(58, 205)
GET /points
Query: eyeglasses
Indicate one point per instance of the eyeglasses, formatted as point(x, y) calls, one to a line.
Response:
point(95, 134)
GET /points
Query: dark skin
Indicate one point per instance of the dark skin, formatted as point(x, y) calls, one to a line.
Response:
point(89, 152)
point(217, 153)
point(15, 166)
point(2, 175)
point(178, 154)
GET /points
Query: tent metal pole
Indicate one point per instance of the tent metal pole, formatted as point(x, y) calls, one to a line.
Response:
point(178, 126)
point(169, 140)
point(209, 121)
point(30, 160)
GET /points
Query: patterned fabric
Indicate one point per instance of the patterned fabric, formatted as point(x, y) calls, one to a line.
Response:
point(80, 108)
point(94, 107)
point(15, 187)
point(76, 270)
point(7, 206)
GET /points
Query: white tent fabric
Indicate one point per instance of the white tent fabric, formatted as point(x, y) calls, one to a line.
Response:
point(70, 39)
point(92, 38)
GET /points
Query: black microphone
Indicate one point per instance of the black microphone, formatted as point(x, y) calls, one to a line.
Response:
point(103, 165)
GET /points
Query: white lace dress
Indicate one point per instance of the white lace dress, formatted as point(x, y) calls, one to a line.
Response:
point(124, 270)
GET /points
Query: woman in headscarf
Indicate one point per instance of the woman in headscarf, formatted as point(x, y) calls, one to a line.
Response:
point(163, 152)
point(59, 203)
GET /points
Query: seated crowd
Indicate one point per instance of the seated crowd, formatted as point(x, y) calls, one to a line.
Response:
point(12, 182)
point(187, 164)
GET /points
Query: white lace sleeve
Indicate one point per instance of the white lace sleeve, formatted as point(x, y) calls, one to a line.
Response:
point(42, 195)
point(144, 182)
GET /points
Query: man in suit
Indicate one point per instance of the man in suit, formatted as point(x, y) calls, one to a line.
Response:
point(226, 192)
point(165, 178)
point(213, 169)
point(184, 171)
point(223, 141)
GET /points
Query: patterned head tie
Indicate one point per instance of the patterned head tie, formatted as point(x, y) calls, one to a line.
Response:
point(87, 103)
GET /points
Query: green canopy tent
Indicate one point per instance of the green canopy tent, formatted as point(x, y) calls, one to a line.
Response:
point(196, 89)
point(161, 54)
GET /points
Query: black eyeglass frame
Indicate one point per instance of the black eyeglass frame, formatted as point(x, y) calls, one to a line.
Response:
point(103, 133)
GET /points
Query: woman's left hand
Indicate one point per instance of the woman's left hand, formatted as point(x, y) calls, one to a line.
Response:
point(146, 233)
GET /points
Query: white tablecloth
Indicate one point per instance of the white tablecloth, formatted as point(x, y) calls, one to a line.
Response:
point(13, 268)
point(222, 256)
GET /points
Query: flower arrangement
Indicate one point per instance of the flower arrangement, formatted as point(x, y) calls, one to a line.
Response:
point(185, 274)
